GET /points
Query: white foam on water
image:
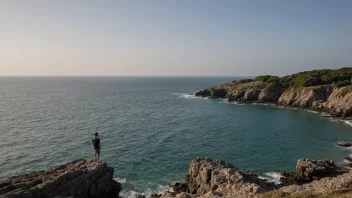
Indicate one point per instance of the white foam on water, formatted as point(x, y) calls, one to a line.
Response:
point(271, 177)
point(311, 111)
point(325, 114)
point(224, 101)
point(348, 122)
point(129, 194)
point(166, 188)
point(188, 96)
point(120, 180)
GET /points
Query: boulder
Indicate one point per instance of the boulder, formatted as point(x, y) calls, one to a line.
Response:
point(344, 144)
point(218, 93)
point(308, 170)
point(180, 187)
point(203, 93)
point(208, 177)
point(348, 159)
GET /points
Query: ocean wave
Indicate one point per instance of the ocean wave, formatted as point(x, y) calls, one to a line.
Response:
point(271, 177)
point(348, 122)
point(129, 194)
point(165, 188)
point(188, 96)
point(225, 101)
point(120, 180)
point(311, 111)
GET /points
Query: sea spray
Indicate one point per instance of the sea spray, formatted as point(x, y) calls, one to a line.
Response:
point(271, 177)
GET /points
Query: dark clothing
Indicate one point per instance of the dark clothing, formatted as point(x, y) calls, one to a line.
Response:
point(96, 143)
point(97, 151)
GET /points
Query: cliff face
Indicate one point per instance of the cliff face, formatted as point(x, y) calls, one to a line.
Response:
point(79, 178)
point(336, 101)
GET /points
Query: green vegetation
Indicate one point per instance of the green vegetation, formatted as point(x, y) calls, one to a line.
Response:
point(242, 81)
point(337, 78)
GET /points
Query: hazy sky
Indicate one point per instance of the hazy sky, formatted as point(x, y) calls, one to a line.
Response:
point(173, 38)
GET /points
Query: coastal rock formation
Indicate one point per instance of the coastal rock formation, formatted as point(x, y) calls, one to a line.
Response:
point(270, 95)
point(203, 93)
point(329, 91)
point(218, 178)
point(335, 101)
point(79, 178)
point(344, 144)
point(308, 170)
point(305, 96)
point(210, 178)
point(340, 102)
point(251, 95)
point(339, 186)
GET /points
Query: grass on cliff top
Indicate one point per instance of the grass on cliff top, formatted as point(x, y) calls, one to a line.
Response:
point(344, 192)
point(337, 78)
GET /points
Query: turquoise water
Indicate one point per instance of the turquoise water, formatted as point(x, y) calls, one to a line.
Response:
point(151, 129)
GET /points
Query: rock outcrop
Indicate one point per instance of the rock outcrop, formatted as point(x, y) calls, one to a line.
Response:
point(344, 144)
point(79, 178)
point(308, 170)
point(335, 101)
point(340, 186)
point(218, 178)
point(270, 95)
point(210, 178)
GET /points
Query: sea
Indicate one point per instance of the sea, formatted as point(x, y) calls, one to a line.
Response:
point(152, 127)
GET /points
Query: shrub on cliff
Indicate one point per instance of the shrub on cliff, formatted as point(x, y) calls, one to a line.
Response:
point(342, 83)
point(242, 81)
point(338, 78)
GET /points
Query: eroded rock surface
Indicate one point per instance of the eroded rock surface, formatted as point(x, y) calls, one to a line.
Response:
point(334, 101)
point(340, 186)
point(79, 178)
point(308, 170)
point(218, 178)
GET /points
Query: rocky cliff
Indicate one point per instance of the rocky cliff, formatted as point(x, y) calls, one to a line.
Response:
point(79, 178)
point(210, 178)
point(335, 101)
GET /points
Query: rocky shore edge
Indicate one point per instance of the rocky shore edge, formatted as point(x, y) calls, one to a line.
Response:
point(215, 178)
point(79, 178)
point(207, 178)
point(333, 101)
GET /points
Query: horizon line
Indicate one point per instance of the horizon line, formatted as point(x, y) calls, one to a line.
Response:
point(121, 76)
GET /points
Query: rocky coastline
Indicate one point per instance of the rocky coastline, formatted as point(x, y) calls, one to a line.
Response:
point(79, 178)
point(319, 98)
point(332, 98)
point(209, 178)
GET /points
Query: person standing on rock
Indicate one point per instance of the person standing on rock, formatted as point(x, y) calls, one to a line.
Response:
point(96, 144)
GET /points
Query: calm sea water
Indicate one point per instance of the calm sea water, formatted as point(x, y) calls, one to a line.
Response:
point(151, 129)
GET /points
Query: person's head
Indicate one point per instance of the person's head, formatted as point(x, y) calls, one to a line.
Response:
point(96, 134)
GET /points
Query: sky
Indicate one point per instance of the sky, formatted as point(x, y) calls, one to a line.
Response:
point(173, 37)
